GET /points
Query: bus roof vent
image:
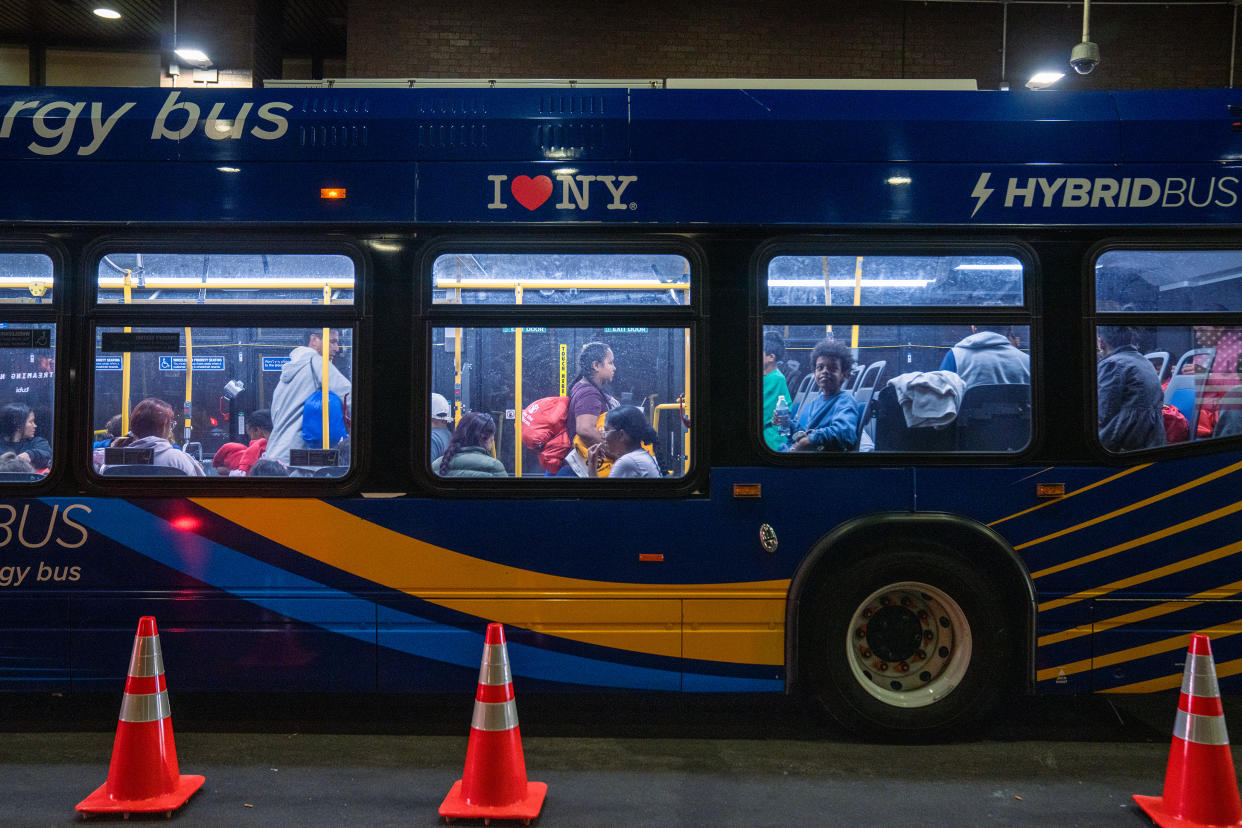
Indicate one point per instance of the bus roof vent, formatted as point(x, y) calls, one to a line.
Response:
point(452, 134)
point(323, 136)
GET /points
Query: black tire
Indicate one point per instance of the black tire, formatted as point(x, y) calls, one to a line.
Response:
point(913, 645)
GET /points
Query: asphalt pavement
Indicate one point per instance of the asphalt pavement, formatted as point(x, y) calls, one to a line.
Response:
point(636, 760)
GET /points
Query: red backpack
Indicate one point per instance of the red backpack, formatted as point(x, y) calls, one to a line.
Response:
point(543, 430)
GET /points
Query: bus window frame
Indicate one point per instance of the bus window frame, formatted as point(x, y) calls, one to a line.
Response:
point(1094, 318)
point(354, 316)
point(763, 314)
point(690, 317)
point(56, 314)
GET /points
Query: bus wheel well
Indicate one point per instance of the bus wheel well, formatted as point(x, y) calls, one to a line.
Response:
point(943, 559)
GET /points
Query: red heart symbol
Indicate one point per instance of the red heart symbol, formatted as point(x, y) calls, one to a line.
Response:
point(531, 192)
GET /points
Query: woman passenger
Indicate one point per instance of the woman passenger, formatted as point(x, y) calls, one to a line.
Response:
point(17, 434)
point(150, 426)
point(828, 422)
point(625, 430)
point(588, 400)
point(1131, 401)
point(469, 452)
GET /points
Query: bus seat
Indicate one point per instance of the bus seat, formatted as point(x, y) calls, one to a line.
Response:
point(1183, 393)
point(892, 433)
point(804, 388)
point(1159, 361)
point(864, 392)
point(142, 470)
point(331, 471)
point(20, 477)
point(994, 418)
point(1202, 359)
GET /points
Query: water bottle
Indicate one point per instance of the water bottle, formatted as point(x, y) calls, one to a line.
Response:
point(780, 416)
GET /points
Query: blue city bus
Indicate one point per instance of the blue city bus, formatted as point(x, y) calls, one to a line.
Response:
point(179, 260)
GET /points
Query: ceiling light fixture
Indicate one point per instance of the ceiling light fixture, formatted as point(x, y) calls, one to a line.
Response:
point(107, 13)
point(1042, 80)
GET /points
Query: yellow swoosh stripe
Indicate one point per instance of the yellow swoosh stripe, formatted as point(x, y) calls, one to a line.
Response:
point(1140, 541)
point(1068, 495)
point(1143, 577)
point(1133, 507)
point(745, 624)
point(1226, 591)
point(1133, 653)
point(1225, 668)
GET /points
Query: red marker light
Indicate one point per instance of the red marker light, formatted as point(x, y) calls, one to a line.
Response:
point(332, 193)
point(214, 421)
point(186, 523)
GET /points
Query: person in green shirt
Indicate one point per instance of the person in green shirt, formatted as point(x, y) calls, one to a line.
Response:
point(774, 387)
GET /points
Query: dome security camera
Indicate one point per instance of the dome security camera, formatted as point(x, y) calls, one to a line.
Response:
point(1084, 57)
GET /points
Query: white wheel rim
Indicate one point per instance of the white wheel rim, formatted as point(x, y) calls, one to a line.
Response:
point(908, 644)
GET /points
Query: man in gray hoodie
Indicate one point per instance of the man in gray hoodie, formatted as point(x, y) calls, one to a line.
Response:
point(988, 357)
point(300, 377)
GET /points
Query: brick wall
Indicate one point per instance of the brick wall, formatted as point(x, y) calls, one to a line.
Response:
point(1158, 46)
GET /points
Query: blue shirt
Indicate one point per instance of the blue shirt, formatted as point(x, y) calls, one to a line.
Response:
point(831, 424)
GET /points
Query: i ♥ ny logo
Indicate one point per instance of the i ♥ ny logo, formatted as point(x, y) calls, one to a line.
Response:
point(533, 193)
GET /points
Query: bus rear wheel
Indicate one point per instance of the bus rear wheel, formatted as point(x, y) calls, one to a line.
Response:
point(909, 646)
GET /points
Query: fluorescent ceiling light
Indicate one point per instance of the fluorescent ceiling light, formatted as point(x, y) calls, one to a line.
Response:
point(109, 14)
point(876, 283)
point(229, 169)
point(194, 57)
point(898, 180)
point(1042, 80)
point(1008, 266)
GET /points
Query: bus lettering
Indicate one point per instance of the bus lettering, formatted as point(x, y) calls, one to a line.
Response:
point(216, 127)
point(532, 193)
point(99, 128)
point(63, 133)
point(1110, 192)
point(9, 516)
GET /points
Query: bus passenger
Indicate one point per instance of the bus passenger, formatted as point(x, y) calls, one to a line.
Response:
point(112, 429)
point(224, 462)
point(17, 434)
point(625, 431)
point(1131, 400)
point(989, 356)
point(258, 430)
point(441, 425)
point(774, 387)
point(267, 467)
point(151, 426)
point(828, 422)
point(587, 402)
point(10, 463)
point(300, 378)
point(469, 452)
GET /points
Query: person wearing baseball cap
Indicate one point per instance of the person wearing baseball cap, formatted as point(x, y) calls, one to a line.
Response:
point(441, 425)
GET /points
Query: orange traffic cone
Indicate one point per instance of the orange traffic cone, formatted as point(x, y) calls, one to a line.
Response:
point(143, 776)
point(1200, 788)
point(494, 784)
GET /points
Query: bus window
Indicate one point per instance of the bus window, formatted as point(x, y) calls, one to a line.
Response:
point(639, 372)
point(897, 388)
point(647, 279)
point(1161, 384)
point(27, 400)
point(225, 279)
point(848, 385)
point(892, 281)
point(223, 402)
point(25, 279)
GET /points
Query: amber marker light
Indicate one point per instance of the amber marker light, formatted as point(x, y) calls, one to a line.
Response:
point(332, 193)
point(1050, 490)
point(746, 490)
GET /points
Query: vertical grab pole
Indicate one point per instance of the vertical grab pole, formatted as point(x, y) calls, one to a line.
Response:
point(189, 384)
point(325, 375)
point(517, 394)
point(823, 264)
point(685, 432)
point(126, 284)
point(857, 302)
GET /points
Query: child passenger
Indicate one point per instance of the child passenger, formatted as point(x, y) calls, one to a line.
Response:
point(828, 422)
point(625, 430)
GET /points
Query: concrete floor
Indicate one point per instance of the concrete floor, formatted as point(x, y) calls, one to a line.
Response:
point(628, 761)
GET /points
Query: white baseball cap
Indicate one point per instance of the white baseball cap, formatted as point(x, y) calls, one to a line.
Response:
point(440, 408)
